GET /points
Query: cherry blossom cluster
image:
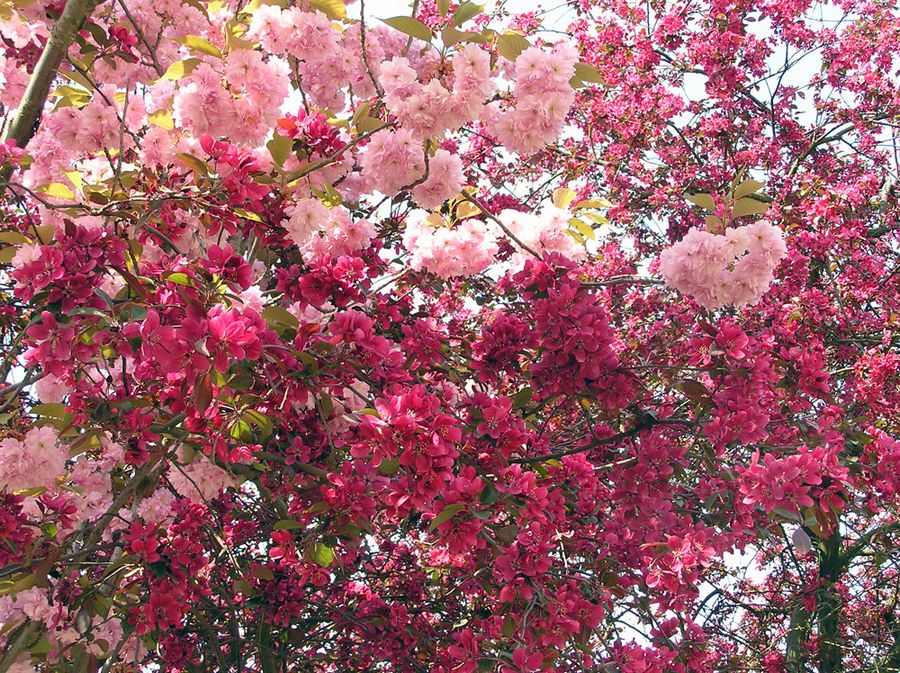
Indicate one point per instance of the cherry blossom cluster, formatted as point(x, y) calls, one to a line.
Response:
point(716, 270)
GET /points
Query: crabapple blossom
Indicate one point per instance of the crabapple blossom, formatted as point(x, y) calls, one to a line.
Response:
point(469, 340)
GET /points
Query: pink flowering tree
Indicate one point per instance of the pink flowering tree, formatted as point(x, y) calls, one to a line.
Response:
point(341, 338)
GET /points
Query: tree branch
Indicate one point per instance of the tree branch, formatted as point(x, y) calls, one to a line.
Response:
point(27, 118)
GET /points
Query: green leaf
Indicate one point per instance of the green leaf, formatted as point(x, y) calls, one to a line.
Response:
point(411, 26)
point(276, 316)
point(705, 201)
point(13, 237)
point(42, 646)
point(247, 215)
point(87, 310)
point(260, 420)
point(511, 44)
point(267, 659)
point(180, 279)
point(749, 207)
point(747, 187)
point(12, 587)
point(51, 410)
point(368, 124)
point(507, 533)
point(280, 148)
point(466, 11)
point(786, 514)
point(443, 7)
point(197, 43)
point(446, 514)
point(262, 573)
point(389, 466)
point(323, 555)
point(287, 524)
point(451, 36)
point(523, 397)
point(180, 69)
point(243, 587)
point(192, 162)
point(489, 494)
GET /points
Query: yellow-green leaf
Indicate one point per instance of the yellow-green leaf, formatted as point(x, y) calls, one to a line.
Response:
point(466, 209)
point(749, 207)
point(180, 278)
point(75, 178)
point(368, 124)
point(277, 316)
point(161, 118)
point(411, 26)
point(466, 11)
point(253, 5)
point(247, 215)
point(192, 162)
point(714, 224)
point(360, 112)
point(70, 95)
point(443, 7)
point(583, 228)
point(594, 203)
point(50, 410)
point(31, 492)
point(588, 73)
point(12, 587)
point(234, 31)
point(334, 9)
point(323, 555)
point(13, 237)
point(280, 148)
point(287, 524)
point(563, 197)
point(747, 187)
point(705, 201)
point(58, 190)
point(197, 43)
point(180, 69)
point(451, 36)
point(511, 44)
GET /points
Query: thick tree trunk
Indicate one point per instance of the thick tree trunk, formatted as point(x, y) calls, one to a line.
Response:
point(829, 604)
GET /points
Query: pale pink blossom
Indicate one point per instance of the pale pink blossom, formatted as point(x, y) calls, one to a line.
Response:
point(445, 179)
point(718, 270)
point(465, 250)
point(38, 460)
